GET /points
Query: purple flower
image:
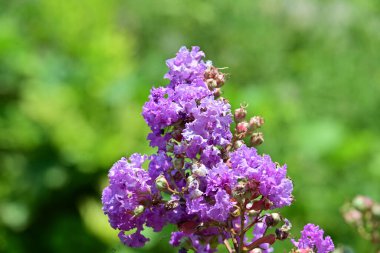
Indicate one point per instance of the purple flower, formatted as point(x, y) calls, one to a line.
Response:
point(211, 156)
point(160, 164)
point(215, 205)
point(312, 238)
point(134, 240)
point(221, 177)
point(160, 111)
point(187, 67)
point(211, 126)
point(220, 210)
point(273, 183)
point(127, 200)
point(198, 180)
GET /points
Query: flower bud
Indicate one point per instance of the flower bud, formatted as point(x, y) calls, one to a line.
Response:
point(256, 250)
point(238, 144)
point(255, 122)
point(281, 234)
point(240, 114)
point(161, 183)
point(352, 216)
point(211, 84)
point(138, 210)
point(273, 219)
point(257, 139)
point(178, 162)
point(220, 79)
point(236, 212)
point(242, 127)
point(362, 203)
point(253, 213)
point(214, 74)
point(376, 210)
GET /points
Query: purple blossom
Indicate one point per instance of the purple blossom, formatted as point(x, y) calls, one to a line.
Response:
point(221, 177)
point(211, 126)
point(160, 111)
point(186, 67)
point(160, 163)
point(312, 238)
point(198, 179)
point(272, 179)
point(129, 187)
point(220, 210)
point(134, 240)
point(211, 156)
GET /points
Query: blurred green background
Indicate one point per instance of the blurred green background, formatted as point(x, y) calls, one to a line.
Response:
point(75, 74)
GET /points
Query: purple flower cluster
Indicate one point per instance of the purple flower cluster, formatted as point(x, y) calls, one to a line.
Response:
point(312, 239)
point(203, 178)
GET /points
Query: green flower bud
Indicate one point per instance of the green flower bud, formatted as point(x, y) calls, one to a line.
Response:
point(236, 212)
point(253, 213)
point(138, 210)
point(161, 183)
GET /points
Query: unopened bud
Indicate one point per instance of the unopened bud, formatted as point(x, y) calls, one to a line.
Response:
point(256, 250)
point(178, 162)
point(214, 74)
point(253, 213)
point(138, 210)
point(162, 183)
point(242, 127)
point(362, 203)
point(376, 210)
point(220, 79)
point(257, 139)
point(255, 122)
point(352, 216)
point(240, 114)
point(211, 84)
point(281, 234)
point(236, 212)
point(238, 144)
point(273, 219)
